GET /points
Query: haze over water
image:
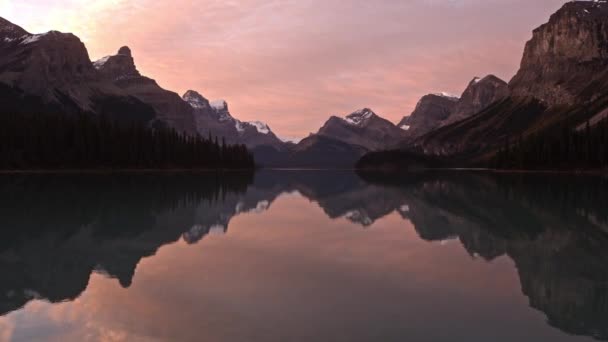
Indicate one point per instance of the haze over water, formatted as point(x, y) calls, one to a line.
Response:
point(303, 256)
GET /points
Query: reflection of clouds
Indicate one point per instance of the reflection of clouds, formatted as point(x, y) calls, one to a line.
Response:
point(6, 329)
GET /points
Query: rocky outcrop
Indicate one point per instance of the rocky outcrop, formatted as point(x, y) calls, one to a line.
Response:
point(430, 112)
point(479, 94)
point(566, 56)
point(437, 110)
point(171, 109)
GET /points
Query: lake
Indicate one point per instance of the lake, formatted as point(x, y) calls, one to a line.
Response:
point(303, 256)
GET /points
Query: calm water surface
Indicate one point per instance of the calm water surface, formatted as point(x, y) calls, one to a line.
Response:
point(303, 256)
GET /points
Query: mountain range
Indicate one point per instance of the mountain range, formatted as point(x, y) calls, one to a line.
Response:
point(562, 81)
point(561, 85)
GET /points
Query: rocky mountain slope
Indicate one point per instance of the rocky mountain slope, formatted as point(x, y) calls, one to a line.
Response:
point(562, 83)
point(121, 71)
point(566, 60)
point(479, 94)
point(52, 72)
point(438, 110)
point(430, 112)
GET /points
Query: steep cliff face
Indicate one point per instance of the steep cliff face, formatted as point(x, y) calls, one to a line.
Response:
point(170, 108)
point(54, 66)
point(430, 112)
point(566, 55)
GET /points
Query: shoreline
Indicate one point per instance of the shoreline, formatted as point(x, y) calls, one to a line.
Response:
point(107, 171)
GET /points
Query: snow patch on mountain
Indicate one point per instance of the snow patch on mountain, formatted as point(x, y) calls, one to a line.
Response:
point(195, 100)
point(32, 38)
point(239, 126)
point(218, 105)
point(359, 117)
point(101, 62)
point(448, 95)
point(260, 126)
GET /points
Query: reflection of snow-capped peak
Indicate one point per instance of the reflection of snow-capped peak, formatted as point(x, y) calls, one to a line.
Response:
point(198, 231)
point(260, 207)
point(31, 294)
point(448, 240)
point(217, 229)
point(358, 217)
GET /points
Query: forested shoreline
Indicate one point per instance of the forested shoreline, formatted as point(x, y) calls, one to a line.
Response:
point(568, 149)
point(85, 141)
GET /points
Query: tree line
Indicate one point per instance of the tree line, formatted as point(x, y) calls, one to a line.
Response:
point(73, 141)
point(566, 149)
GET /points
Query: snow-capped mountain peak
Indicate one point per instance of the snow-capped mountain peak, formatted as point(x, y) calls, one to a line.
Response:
point(448, 95)
point(359, 117)
point(195, 100)
point(221, 108)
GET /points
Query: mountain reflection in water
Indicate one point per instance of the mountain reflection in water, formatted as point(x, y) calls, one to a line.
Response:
point(59, 230)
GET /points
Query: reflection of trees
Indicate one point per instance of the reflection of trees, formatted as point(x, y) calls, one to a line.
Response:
point(554, 228)
point(58, 229)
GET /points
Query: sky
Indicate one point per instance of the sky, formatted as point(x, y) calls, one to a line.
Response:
point(294, 63)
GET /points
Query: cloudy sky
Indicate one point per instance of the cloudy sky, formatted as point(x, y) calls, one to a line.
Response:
point(292, 63)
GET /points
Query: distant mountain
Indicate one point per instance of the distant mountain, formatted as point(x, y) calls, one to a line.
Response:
point(214, 118)
point(341, 141)
point(362, 128)
point(121, 71)
point(562, 84)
